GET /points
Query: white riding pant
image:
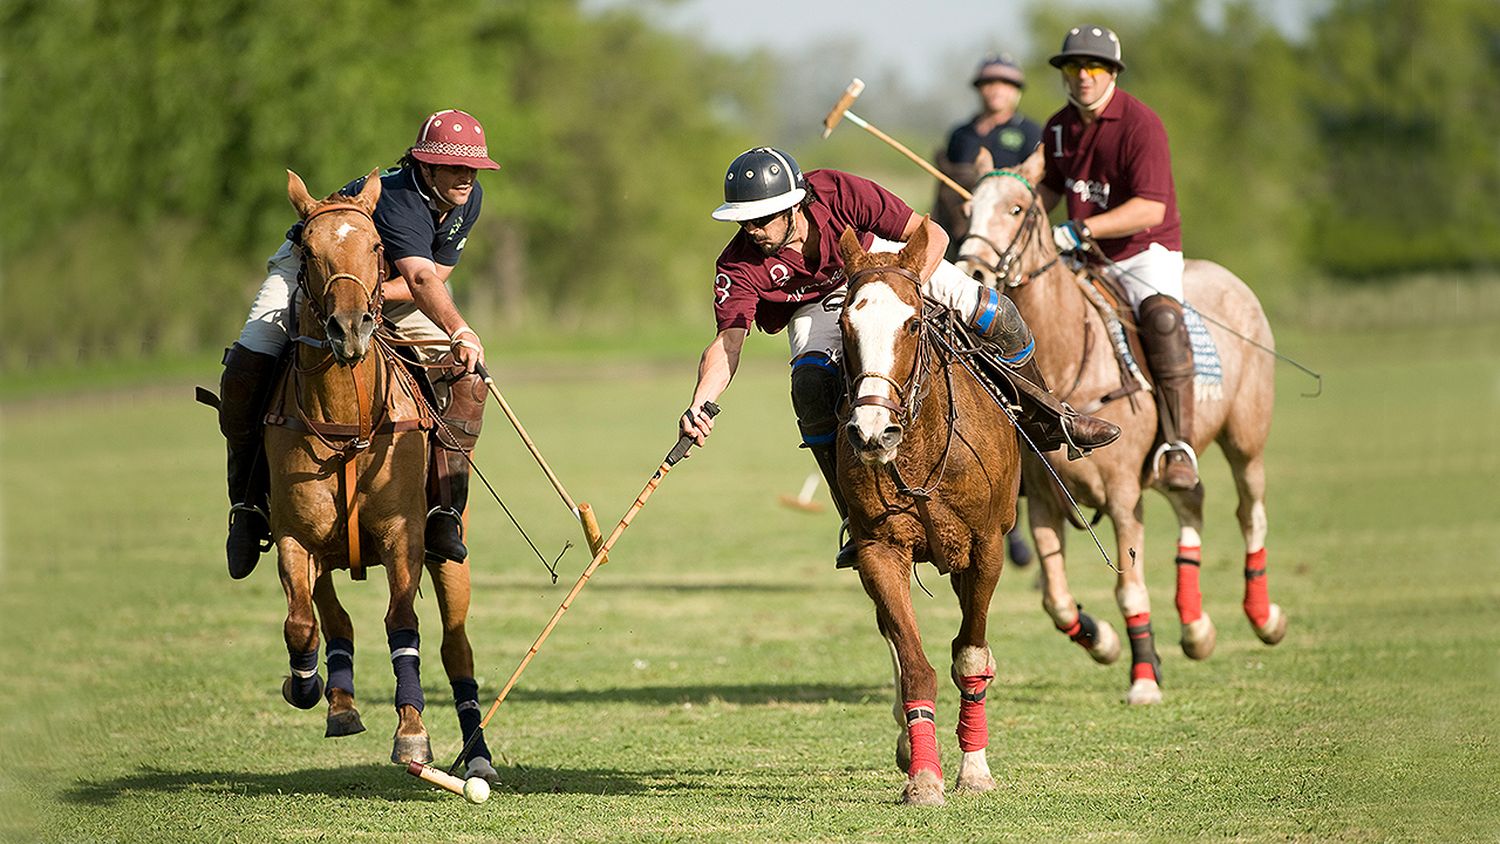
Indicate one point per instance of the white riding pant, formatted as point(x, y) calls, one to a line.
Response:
point(1145, 274)
point(814, 327)
point(268, 328)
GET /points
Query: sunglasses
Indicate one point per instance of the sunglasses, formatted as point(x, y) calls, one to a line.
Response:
point(760, 222)
point(1093, 68)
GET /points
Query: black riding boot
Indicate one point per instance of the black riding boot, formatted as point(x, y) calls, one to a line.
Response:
point(827, 456)
point(1169, 356)
point(244, 390)
point(448, 495)
point(1044, 417)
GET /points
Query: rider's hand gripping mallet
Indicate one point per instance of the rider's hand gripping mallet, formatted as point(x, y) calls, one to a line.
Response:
point(581, 511)
point(674, 456)
point(841, 111)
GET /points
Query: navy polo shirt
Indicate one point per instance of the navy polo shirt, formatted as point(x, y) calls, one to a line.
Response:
point(1009, 144)
point(409, 226)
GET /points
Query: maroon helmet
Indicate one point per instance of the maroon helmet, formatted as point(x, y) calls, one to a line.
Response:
point(453, 137)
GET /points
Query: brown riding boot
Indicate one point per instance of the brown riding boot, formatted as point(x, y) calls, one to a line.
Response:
point(1169, 356)
point(244, 390)
point(1044, 413)
point(448, 469)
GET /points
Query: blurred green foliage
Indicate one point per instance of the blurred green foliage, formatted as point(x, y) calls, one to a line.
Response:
point(145, 142)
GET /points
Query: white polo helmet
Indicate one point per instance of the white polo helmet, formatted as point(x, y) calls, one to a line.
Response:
point(760, 181)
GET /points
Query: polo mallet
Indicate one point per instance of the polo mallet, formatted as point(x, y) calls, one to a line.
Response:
point(475, 789)
point(582, 512)
point(841, 111)
point(674, 456)
point(804, 500)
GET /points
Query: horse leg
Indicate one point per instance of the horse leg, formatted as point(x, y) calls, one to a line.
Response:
point(1095, 636)
point(974, 664)
point(1267, 619)
point(338, 633)
point(885, 576)
point(403, 572)
point(450, 580)
point(1198, 633)
point(304, 686)
point(1135, 602)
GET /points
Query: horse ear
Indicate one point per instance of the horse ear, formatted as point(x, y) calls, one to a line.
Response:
point(1034, 167)
point(914, 253)
point(849, 247)
point(369, 195)
point(296, 191)
point(983, 163)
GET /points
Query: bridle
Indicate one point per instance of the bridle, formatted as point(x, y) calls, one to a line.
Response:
point(908, 401)
point(1006, 267)
point(374, 295)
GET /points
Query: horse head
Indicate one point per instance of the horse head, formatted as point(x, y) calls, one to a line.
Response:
point(881, 327)
point(1008, 242)
point(342, 265)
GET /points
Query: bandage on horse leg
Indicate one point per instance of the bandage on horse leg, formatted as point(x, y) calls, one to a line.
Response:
point(921, 728)
point(1189, 596)
point(1144, 662)
point(1257, 597)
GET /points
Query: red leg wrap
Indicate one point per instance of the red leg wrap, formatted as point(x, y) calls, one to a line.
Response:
point(922, 730)
point(1257, 600)
point(1189, 596)
point(1142, 647)
point(973, 727)
point(1072, 630)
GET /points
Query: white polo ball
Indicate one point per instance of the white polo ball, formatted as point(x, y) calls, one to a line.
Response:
point(476, 790)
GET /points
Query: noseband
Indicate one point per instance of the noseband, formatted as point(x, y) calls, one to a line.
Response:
point(374, 297)
point(1006, 267)
point(909, 395)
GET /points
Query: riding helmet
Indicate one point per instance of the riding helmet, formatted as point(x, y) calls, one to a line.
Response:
point(1088, 41)
point(759, 182)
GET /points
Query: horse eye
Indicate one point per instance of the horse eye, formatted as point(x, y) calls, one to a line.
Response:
point(1015, 210)
point(911, 326)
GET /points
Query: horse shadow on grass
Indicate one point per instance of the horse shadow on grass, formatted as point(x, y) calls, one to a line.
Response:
point(374, 781)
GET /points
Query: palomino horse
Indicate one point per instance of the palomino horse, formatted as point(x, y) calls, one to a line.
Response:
point(917, 414)
point(346, 444)
point(1073, 351)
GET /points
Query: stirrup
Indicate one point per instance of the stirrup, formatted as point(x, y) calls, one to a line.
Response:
point(1158, 456)
point(847, 557)
point(264, 544)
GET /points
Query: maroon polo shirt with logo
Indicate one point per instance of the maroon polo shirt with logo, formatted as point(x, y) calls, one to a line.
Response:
point(751, 287)
point(1122, 154)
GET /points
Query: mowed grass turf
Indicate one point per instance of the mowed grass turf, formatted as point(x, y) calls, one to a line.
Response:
point(719, 680)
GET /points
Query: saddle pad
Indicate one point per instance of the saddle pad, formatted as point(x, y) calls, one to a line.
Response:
point(1208, 369)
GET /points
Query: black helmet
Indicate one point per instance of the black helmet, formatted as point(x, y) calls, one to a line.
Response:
point(1088, 41)
point(760, 181)
point(1001, 68)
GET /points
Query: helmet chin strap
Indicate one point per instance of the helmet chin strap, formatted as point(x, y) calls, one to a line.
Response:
point(1099, 104)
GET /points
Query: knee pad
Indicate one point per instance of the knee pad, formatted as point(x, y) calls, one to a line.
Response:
point(1161, 314)
point(1169, 352)
point(997, 320)
point(464, 410)
point(817, 385)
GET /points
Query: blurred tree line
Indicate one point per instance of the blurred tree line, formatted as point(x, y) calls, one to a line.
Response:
point(144, 144)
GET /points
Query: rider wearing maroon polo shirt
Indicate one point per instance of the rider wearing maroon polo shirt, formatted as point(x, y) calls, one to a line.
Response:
point(782, 270)
point(1107, 153)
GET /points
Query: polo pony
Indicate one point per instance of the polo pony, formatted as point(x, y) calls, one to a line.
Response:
point(930, 468)
point(346, 441)
point(1009, 246)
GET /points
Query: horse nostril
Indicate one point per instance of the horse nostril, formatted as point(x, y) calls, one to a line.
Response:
point(333, 329)
point(367, 318)
point(892, 435)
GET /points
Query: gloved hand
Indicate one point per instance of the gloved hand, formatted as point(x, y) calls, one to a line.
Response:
point(1072, 236)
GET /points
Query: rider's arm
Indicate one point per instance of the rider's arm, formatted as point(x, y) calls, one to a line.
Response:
point(937, 242)
point(1134, 215)
point(715, 369)
point(424, 280)
point(397, 290)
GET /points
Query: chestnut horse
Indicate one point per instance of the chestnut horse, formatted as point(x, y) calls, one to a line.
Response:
point(347, 448)
point(1073, 352)
point(917, 414)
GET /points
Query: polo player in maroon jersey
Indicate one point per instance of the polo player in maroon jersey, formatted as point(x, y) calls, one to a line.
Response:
point(782, 270)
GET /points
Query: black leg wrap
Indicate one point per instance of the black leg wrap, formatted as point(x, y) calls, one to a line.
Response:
point(1143, 648)
point(1088, 630)
point(466, 700)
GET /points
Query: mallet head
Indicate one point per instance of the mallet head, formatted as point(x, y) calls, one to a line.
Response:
point(842, 106)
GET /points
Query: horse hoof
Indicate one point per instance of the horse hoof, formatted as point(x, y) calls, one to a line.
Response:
point(903, 751)
point(289, 692)
point(481, 767)
point(1143, 693)
point(973, 783)
point(345, 723)
point(407, 749)
point(924, 789)
point(1274, 628)
point(1106, 647)
point(1199, 638)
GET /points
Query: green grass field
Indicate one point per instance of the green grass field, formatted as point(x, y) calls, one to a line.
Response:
point(719, 680)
